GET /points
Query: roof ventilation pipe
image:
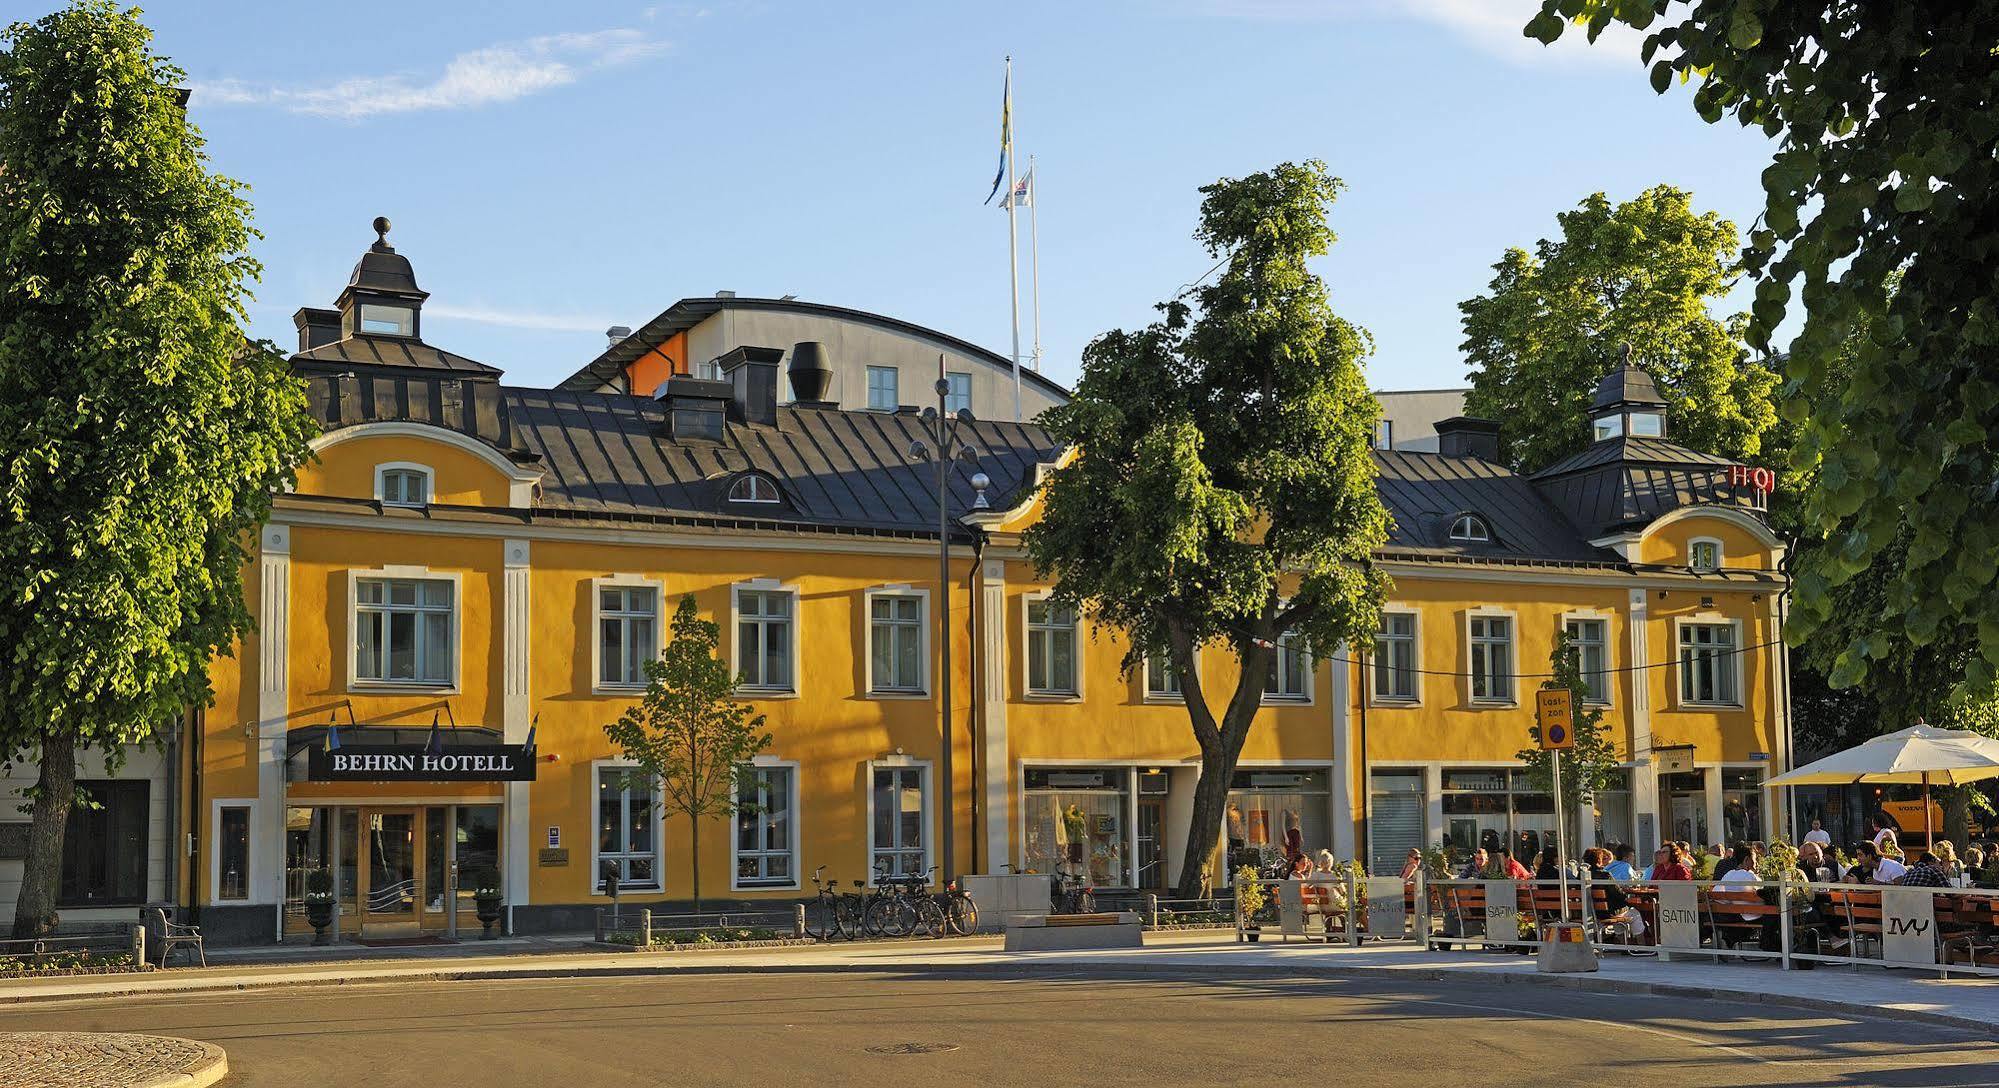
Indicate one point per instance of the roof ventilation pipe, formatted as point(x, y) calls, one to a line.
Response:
point(811, 372)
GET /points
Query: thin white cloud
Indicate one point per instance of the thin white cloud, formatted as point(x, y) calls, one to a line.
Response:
point(1493, 26)
point(519, 319)
point(496, 73)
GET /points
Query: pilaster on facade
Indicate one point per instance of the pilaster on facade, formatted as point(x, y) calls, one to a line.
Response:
point(992, 712)
point(1644, 778)
point(267, 850)
point(1344, 767)
point(517, 634)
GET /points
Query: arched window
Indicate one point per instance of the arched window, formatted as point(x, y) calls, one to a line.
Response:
point(1471, 528)
point(1704, 554)
point(754, 488)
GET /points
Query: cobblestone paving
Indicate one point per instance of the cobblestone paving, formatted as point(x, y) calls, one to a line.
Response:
point(78, 1059)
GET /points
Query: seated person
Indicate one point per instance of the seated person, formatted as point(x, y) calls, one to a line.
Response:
point(1927, 872)
point(1874, 867)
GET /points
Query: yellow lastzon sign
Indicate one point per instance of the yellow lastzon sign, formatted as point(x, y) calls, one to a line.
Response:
point(1554, 712)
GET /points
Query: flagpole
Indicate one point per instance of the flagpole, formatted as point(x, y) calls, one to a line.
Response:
point(1012, 239)
point(1034, 253)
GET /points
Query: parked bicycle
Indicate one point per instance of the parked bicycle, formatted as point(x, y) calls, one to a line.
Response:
point(899, 905)
point(832, 913)
point(961, 914)
point(1069, 894)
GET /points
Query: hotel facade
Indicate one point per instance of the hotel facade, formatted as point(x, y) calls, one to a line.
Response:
point(462, 588)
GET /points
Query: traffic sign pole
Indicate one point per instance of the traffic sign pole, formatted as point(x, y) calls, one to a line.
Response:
point(1561, 835)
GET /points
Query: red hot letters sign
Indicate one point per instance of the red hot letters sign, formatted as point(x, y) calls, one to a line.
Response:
point(1762, 479)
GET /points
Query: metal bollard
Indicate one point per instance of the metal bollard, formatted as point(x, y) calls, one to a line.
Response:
point(1152, 908)
point(1353, 930)
point(138, 946)
point(798, 920)
point(1784, 918)
point(645, 928)
point(600, 925)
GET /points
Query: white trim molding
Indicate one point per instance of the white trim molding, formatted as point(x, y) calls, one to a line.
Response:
point(1392, 702)
point(1734, 659)
point(795, 828)
point(1074, 694)
point(598, 685)
point(597, 768)
point(1513, 669)
point(787, 690)
point(274, 618)
point(1720, 554)
point(429, 482)
point(448, 686)
point(517, 699)
point(520, 481)
point(1610, 673)
point(926, 782)
point(925, 667)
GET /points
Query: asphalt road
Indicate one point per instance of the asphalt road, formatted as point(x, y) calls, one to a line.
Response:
point(1052, 1030)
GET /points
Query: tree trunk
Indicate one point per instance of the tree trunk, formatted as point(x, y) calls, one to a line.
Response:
point(1220, 749)
point(694, 839)
point(55, 791)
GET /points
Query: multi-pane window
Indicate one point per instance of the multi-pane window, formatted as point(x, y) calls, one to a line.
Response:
point(1290, 667)
point(1051, 648)
point(1160, 678)
point(1471, 528)
point(232, 853)
point(405, 487)
point(764, 639)
point(403, 630)
point(1492, 659)
point(626, 822)
point(1708, 664)
point(896, 642)
point(1395, 657)
point(1704, 555)
point(959, 397)
point(627, 634)
point(104, 846)
point(1589, 641)
point(764, 840)
point(897, 837)
point(753, 488)
point(882, 393)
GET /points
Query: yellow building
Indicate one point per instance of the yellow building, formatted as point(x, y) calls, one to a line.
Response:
point(460, 591)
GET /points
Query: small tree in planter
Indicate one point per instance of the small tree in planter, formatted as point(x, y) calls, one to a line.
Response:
point(319, 903)
point(1250, 900)
point(689, 733)
point(487, 898)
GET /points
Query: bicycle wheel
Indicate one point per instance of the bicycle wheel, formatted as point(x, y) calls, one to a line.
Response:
point(898, 916)
point(929, 915)
point(821, 924)
point(1086, 903)
point(847, 917)
point(962, 916)
point(875, 916)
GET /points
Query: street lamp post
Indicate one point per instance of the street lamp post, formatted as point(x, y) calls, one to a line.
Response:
point(944, 446)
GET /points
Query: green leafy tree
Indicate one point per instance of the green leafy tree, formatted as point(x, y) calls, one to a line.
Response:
point(1887, 132)
point(1589, 768)
point(1228, 455)
point(141, 437)
point(689, 735)
point(1645, 273)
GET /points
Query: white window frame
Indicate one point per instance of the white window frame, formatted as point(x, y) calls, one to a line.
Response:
point(923, 663)
point(256, 836)
point(1512, 697)
point(1154, 695)
point(1708, 619)
point(448, 686)
point(1310, 673)
point(868, 386)
point(952, 378)
point(752, 482)
point(1027, 630)
point(594, 878)
point(1415, 698)
point(405, 328)
point(382, 483)
point(1609, 651)
point(1603, 427)
point(598, 685)
point(1693, 550)
point(1482, 527)
point(925, 782)
point(1631, 424)
point(763, 691)
point(790, 766)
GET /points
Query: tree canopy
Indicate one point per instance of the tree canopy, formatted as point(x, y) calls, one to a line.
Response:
point(1887, 128)
point(1226, 448)
point(1646, 272)
point(141, 436)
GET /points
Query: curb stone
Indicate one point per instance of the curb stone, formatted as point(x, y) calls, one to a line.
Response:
point(1583, 983)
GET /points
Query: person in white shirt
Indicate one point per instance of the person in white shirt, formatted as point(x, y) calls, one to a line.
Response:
point(1741, 874)
point(1884, 832)
point(1880, 868)
point(1819, 834)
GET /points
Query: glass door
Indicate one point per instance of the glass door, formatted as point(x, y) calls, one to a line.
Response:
point(394, 858)
point(476, 842)
point(1151, 826)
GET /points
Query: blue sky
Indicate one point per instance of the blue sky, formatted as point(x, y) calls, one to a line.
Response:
point(556, 168)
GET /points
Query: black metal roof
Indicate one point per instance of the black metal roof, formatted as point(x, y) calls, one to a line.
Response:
point(1620, 483)
point(1628, 385)
point(392, 351)
point(1425, 492)
point(689, 312)
point(475, 408)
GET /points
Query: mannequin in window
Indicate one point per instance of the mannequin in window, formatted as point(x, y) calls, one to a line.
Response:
point(1075, 826)
point(1237, 837)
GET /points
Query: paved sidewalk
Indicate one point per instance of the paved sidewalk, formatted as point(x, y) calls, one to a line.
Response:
point(94, 1059)
point(1958, 1002)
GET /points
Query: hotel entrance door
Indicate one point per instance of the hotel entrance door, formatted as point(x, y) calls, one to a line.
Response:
point(390, 888)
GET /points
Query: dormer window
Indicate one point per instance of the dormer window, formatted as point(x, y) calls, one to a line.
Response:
point(1647, 424)
point(1470, 529)
point(383, 320)
point(402, 485)
point(755, 488)
point(1704, 555)
point(1609, 427)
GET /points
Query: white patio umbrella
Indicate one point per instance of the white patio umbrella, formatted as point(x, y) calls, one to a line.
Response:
point(1919, 754)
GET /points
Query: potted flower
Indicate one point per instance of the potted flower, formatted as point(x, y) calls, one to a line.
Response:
point(487, 897)
point(319, 903)
point(1250, 899)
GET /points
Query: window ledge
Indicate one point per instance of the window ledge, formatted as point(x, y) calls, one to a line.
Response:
point(1495, 704)
point(1053, 697)
point(1394, 703)
point(766, 693)
point(1287, 700)
point(619, 689)
point(791, 887)
point(907, 696)
point(1163, 699)
point(1691, 704)
point(398, 686)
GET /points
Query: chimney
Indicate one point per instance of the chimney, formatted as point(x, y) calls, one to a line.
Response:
point(316, 327)
point(1466, 436)
point(811, 373)
point(751, 373)
point(617, 333)
point(725, 294)
point(696, 409)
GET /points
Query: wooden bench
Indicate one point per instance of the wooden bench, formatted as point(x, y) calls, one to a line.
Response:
point(1859, 915)
point(1739, 916)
